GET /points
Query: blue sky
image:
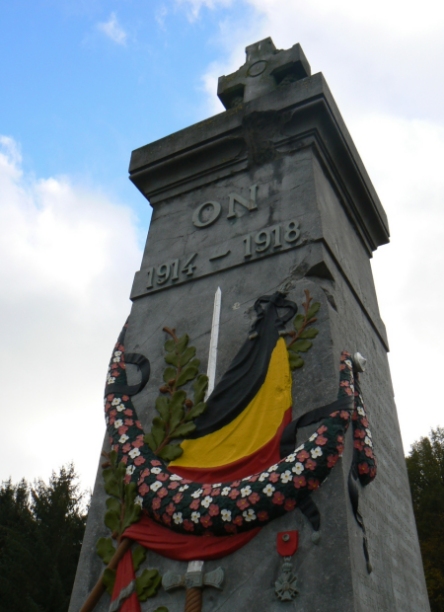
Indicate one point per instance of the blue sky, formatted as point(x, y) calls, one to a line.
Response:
point(83, 83)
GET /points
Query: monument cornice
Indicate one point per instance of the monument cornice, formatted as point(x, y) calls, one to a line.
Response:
point(292, 117)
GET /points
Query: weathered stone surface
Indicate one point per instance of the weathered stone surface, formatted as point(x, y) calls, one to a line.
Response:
point(285, 156)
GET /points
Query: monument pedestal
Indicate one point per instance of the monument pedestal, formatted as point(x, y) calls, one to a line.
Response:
point(271, 195)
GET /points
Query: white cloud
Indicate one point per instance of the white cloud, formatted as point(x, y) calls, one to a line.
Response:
point(194, 6)
point(113, 30)
point(69, 255)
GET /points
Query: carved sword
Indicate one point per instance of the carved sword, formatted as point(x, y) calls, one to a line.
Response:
point(195, 578)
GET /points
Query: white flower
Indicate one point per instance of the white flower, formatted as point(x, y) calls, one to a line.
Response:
point(352, 387)
point(290, 458)
point(286, 476)
point(225, 491)
point(273, 467)
point(361, 410)
point(206, 501)
point(348, 362)
point(195, 517)
point(118, 423)
point(183, 488)
point(116, 401)
point(156, 485)
point(215, 485)
point(313, 437)
point(123, 438)
point(173, 476)
point(155, 470)
point(226, 515)
point(245, 491)
point(177, 518)
point(299, 448)
point(368, 432)
point(130, 469)
point(110, 380)
point(117, 353)
point(138, 500)
point(249, 515)
point(298, 468)
point(268, 490)
point(134, 452)
point(263, 476)
point(197, 493)
point(368, 441)
point(316, 452)
point(120, 407)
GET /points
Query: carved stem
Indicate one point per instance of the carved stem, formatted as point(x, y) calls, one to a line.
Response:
point(98, 590)
point(193, 600)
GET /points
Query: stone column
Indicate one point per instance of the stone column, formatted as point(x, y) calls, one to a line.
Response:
point(226, 194)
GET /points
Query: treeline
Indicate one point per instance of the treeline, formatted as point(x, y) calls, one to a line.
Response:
point(425, 466)
point(41, 531)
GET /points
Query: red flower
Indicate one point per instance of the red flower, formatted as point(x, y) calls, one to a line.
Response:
point(289, 504)
point(107, 406)
point(332, 460)
point(254, 498)
point(238, 520)
point(195, 504)
point(310, 464)
point(178, 498)
point(242, 504)
point(166, 519)
point(358, 444)
point(122, 430)
point(274, 477)
point(302, 455)
point(278, 498)
point(254, 478)
point(299, 481)
point(162, 476)
point(334, 414)
point(355, 416)
point(322, 429)
point(206, 488)
point(156, 502)
point(262, 515)
point(128, 412)
point(145, 473)
point(363, 468)
point(138, 442)
point(125, 398)
point(162, 492)
point(321, 440)
point(313, 484)
point(173, 484)
point(344, 383)
point(110, 397)
point(215, 492)
point(368, 451)
point(348, 391)
point(206, 520)
point(340, 449)
point(359, 433)
point(138, 424)
point(127, 479)
point(364, 422)
point(170, 509)
point(143, 489)
point(213, 510)
point(344, 414)
point(234, 493)
point(188, 525)
point(230, 528)
point(340, 438)
point(139, 460)
point(155, 462)
point(124, 459)
point(235, 483)
point(129, 422)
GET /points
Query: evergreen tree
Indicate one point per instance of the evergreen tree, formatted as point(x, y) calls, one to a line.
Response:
point(41, 531)
point(425, 466)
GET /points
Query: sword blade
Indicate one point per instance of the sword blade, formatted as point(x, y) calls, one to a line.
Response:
point(214, 338)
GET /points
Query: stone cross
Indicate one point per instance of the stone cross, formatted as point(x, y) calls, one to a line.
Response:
point(265, 69)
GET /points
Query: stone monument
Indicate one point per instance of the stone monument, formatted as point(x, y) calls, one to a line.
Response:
point(258, 209)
